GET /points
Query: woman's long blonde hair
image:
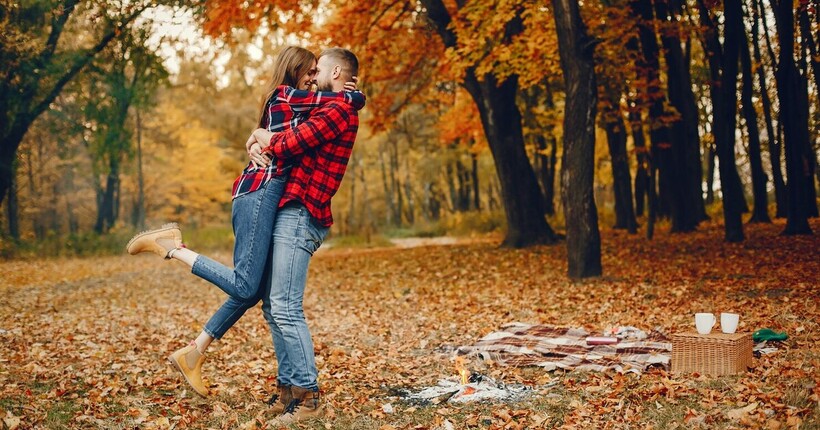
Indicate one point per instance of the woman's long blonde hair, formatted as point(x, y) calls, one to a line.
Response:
point(291, 64)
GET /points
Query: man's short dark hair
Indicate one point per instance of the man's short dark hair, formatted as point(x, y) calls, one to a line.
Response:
point(345, 57)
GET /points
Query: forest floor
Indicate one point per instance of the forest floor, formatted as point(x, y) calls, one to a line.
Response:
point(83, 341)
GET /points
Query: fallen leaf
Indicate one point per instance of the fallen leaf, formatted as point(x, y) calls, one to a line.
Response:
point(739, 413)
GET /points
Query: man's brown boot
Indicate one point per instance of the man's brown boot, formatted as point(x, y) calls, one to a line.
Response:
point(160, 241)
point(305, 404)
point(188, 361)
point(281, 400)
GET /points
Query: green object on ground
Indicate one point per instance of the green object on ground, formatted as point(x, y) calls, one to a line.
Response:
point(768, 334)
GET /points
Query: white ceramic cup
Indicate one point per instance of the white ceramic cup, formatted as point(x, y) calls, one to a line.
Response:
point(728, 322)
point(704, 322)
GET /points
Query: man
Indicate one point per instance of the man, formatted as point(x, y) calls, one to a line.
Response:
point(321, 146)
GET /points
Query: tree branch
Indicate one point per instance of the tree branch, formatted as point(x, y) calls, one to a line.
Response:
point(438, 14)
point(83, 60)
point(58, 22)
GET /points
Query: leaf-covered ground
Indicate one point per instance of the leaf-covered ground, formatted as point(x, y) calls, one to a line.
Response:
point(83, 342)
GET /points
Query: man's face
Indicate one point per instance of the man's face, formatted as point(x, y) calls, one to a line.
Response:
point(324, 74)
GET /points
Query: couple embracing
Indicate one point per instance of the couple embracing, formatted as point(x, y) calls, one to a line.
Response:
point(280, 215)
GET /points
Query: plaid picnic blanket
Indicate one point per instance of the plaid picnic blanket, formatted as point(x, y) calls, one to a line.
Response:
point(551, 347)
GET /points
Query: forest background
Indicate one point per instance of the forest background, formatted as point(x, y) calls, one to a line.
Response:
point(577, 135)
point(681, 111)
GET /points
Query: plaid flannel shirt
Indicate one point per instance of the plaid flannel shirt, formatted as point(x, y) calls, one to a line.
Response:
point(285, 109)
point(323, 144)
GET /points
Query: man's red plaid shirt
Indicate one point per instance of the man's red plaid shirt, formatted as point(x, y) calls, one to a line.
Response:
point(324, 144)
point(285, 109)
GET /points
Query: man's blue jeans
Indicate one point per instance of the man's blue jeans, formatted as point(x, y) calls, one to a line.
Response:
point(296, 236)
point(252, 217)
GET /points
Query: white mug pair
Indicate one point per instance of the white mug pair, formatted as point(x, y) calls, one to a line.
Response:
point(705, 321)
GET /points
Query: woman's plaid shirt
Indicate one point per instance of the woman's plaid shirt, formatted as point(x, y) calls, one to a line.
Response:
point(285, 109)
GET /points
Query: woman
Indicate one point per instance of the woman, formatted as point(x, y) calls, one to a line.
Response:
point(256, 194)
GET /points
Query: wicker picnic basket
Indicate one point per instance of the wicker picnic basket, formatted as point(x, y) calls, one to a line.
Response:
point(711, 354)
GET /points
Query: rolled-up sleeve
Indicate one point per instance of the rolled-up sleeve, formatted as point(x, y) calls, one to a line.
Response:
point(325, 124)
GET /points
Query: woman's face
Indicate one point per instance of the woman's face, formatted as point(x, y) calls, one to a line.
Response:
point(308, 78)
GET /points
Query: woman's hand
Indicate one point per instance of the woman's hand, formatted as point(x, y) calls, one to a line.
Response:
point(353, 85)
point(255, 145)
point(257, 157)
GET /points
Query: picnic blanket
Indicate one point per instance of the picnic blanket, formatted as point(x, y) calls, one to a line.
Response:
point(551, 347)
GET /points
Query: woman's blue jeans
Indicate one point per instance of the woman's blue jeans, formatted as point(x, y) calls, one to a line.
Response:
point(296, 236)
point(252, 216)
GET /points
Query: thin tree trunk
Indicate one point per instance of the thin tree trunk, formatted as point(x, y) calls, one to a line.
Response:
point(451, 186)
point(724, 66)
point(463, 186)
point(807, 39)
point(759, 179)
point(388, 192)
point(642, 157)
point(648, 69)
point(613, 124)
point(686, 200)
point(711, 155)
point(395, 185)
point(12, 207)
point(350, 224)
point(548, 174)
point(811, 58)
point(578, 166)
point(476, 194)
point(771, 134)
point(140, 218)
point(793, 95)
point(653, 202)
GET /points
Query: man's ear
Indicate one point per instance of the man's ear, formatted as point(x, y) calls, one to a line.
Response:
point(337, 70)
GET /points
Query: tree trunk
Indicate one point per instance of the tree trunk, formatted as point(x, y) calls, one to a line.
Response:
point(395, 185)
point(526, 224)
point(710, 156)
point(653, 202)
point(578, 165)
point(792, 92)
point(139, 219)
point(812, 57)
point(688, 209)
point(463, 186)
point(642, 157)
point(476, 194)
point(350, 223)
point(549, 162)
point(807, 39)
point(451, 186)
point(613, 124)
point(723, 64)
point(648, 70)
point(12, 209)
point(388, 192)
point(106, 211)
point(760, 209)
point(771, 134)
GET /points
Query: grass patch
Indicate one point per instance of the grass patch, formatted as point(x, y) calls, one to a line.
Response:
point(60, 415)
point(359, 241)
point(15, 406)
point(670, 414)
